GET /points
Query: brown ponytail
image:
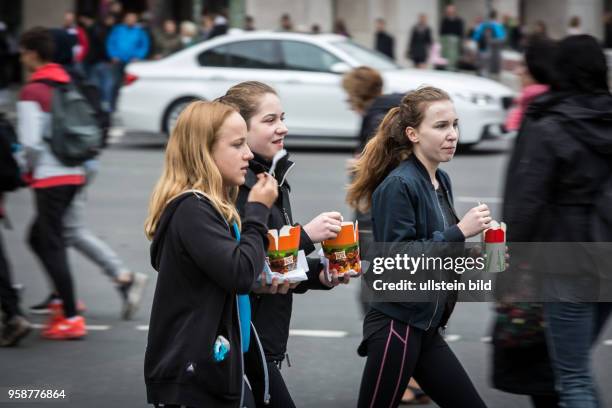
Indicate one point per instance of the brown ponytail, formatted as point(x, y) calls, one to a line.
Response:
point(390, 146)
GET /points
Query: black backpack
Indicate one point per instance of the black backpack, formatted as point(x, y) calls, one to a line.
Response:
point(76, 135)
point(10, 174)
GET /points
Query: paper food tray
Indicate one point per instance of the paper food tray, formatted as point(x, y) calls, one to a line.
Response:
point(294, 276)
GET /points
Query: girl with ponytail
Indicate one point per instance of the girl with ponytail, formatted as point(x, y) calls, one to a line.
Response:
point(410, 198)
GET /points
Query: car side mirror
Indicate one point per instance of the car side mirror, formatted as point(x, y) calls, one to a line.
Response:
point(340, 68)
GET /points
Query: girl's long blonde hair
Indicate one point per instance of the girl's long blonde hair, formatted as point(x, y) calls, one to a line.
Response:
point(189, 165)
point(390, 146)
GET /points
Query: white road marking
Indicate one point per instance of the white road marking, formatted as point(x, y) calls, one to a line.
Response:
point(94, 327)
point(475, 200)
point(451, 338)
point(318, 333)
point(486, 339)
point(607, 342)
point(115, 135)
point(293, 332)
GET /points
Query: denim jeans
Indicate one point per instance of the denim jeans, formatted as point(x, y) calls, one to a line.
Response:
point(102, 75)
point(572, 330)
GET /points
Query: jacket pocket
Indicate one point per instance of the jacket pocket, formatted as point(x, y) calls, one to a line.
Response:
point(220, 378)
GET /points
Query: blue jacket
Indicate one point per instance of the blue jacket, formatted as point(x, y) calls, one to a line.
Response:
point(127, 43)
point(405, 208)
point(498, 29)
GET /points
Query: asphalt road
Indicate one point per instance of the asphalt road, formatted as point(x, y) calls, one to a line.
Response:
point(106, 369)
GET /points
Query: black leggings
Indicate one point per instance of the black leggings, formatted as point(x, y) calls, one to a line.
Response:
point(47, 240)
point(398, 352)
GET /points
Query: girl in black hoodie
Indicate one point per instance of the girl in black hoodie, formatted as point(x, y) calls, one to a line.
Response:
point(260, 106)
point(199, 325)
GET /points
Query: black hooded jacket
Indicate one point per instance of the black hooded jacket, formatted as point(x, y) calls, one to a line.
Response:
point(374, 115)
point(201, 269)
point(271, 314)
point(561, 159)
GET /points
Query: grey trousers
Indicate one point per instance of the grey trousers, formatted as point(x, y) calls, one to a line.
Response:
point(83, 240)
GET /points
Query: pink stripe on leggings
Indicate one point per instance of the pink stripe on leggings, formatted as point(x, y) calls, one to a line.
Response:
point(382, 365)
point(399, 378)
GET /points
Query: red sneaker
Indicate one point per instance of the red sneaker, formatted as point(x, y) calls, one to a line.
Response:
point(65, 329)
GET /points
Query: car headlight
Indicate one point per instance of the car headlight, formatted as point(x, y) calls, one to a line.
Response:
point(477, 98)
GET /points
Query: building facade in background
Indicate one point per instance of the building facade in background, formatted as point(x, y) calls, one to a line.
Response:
point(358, 15)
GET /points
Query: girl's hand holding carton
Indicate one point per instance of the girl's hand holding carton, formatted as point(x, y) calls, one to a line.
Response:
point(340, 256)
point(285, 262)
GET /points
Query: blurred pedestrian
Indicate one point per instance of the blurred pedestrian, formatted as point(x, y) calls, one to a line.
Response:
point(521, 362)
point(189, 34)
point(286, 24)
point(81, 48)
point(167, 40)
point(126, 43)
point(340, 28)
point(261, 108)
point(451, 36)
point(399, 179)
point(420, 42)
point(560, 163)
point(536, 74)
point(204, 257)
point(130, 285)
point(220, 25)
point(575, 26)
point(383, 41)
point(490, 36)
point(4, 64)
point(14, 324)
point(540, 28)
point(55, 184)
point(249, 23)
point(207, 21)
point(115, 9)
point(607, 30)
point(514, 32)
point(315, 29)
point(97, 62)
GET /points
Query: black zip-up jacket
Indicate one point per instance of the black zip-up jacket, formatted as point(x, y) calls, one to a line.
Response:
point(405, 208)
point(201, 269)
point(271, 314)
point(561, 157)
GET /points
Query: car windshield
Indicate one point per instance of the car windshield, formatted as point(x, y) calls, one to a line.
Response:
point(366, 56)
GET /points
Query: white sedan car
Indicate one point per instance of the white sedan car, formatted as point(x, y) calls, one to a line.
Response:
point(306, 70)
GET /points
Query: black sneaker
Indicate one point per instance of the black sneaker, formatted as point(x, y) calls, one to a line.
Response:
point(43, 307)
point(14, 330)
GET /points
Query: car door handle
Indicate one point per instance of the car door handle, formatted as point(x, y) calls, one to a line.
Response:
point(217, 78)
point(294, 81)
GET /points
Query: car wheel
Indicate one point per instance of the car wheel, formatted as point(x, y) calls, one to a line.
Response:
point(173, 111)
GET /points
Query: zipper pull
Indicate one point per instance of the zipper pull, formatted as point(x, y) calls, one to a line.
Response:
point(286, 216)
point(288, 361)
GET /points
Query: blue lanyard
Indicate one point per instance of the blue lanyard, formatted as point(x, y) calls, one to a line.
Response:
point(244, 308)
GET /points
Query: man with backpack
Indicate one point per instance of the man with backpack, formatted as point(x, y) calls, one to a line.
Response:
point(58, 134)
point(14, 324)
